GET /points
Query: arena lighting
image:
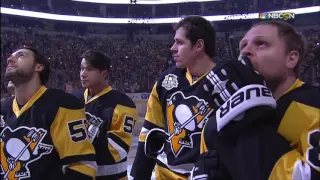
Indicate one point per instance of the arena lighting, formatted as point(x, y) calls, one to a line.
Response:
point(142, 1)
point(41, 15)
point(306, 10)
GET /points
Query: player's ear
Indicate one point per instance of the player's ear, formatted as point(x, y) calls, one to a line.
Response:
point(292, 59)
point(39, 68)
point(199, 45)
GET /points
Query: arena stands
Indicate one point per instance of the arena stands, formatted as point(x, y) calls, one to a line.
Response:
point(135, 63)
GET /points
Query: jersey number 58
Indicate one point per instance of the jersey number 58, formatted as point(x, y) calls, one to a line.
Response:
point(129, 123)
point(77, 130)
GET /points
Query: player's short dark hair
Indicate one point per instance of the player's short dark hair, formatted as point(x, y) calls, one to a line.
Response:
point(40, 59)
point(97, 59)
point(294, 41)
point(196, 28)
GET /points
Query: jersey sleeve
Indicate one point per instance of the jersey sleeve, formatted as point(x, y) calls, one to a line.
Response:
point(304, 161)
point(120, 132)
point(143, 166)
point(154, 116)
point(70, 139)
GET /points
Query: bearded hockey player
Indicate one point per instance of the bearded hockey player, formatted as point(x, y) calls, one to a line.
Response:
point(181, 102)
point(42, 131)
point(284, 144)
point(111, 116)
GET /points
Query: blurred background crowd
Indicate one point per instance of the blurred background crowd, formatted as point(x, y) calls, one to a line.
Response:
point(139, 52)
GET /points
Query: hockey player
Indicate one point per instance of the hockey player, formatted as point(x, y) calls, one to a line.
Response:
point(181, 102)
point(283, 145)
point(42, 131)
point(111, 116)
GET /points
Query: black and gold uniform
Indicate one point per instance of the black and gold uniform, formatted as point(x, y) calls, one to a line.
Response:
point(45, 139)
point(180, 106)
point(111, 116)
point(257, 152)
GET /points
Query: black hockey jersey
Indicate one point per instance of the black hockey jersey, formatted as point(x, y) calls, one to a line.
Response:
point(46, 135)
point(285, 145)
point(111, 118)
point(176, 102)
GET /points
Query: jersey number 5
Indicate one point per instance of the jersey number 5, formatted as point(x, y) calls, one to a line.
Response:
point(77, 130)
point(313, 153)
point(128, 124)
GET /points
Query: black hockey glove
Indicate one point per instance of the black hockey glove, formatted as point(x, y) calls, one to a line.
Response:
point(236, 89)
point(155, 142)
point(208, 167)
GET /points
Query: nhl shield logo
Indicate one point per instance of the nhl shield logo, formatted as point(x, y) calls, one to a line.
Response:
point(170, 81)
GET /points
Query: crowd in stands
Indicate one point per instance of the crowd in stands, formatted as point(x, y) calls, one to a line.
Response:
point(135, 63)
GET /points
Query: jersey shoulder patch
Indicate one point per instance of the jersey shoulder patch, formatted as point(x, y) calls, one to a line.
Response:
point(170, 79)
point(172, 70)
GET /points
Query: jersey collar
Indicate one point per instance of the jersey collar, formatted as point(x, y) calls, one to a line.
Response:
point(86, 94)
point(15, 107)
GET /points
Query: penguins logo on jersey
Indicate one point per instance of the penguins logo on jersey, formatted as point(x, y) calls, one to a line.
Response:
point(186, 117)
point(19, 148)
point(93, 125)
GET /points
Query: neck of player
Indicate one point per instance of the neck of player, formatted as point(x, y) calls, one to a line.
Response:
point(201, 66)
point(25, 91)
point(283, 87)
point(97, 88)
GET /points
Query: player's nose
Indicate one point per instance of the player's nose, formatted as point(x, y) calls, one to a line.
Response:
point(10, 60)
point(247, 51)
point(83, 74)
point(174, 48)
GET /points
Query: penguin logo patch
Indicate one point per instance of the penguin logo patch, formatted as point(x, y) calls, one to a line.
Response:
point(186, 117)
point(19, 148)
point(93, 125)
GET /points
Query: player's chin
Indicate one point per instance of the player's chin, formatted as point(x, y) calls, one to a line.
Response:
point(180, 65)
point(9, 75)
point(85, 84)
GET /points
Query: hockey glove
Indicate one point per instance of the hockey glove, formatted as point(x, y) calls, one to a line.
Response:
point(155, 142)
point(237, 88)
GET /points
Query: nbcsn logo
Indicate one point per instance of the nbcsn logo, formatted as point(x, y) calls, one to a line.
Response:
point(277, 15)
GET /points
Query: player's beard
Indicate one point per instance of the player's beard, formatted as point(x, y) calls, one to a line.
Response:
point(19, 75)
